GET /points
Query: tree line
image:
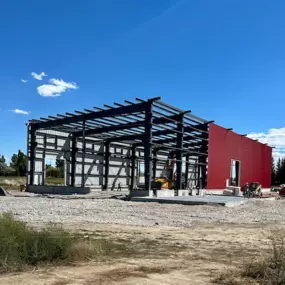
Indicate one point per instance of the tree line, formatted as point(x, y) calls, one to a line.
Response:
point(18, 166)
point(278, 172)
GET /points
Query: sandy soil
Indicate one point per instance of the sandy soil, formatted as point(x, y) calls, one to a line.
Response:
point(183, 255)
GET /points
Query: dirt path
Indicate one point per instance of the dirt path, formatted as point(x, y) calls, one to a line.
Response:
point(176, 256)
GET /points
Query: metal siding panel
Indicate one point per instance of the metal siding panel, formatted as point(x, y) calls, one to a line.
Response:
point(225, 145)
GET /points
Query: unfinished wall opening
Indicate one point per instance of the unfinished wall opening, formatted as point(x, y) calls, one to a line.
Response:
point(102, 147)
point(235, 173)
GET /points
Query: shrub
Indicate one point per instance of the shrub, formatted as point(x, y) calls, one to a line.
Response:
point(22, 246)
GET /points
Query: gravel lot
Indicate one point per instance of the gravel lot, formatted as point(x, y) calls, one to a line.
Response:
point(42, 210)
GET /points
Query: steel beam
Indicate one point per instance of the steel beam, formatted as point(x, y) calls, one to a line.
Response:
point(154, 134)
point(173, 140)
point(188, 116)
point(109, 129)
point(140, 107)
point(157, 121)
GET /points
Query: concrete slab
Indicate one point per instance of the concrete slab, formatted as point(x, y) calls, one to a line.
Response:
point(195, 200)
point(58, 190)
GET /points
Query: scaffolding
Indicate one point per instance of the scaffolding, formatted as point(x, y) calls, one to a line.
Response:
point(102, 146)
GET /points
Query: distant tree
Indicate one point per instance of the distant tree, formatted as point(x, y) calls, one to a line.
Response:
point(14, 159)
point(6, 170)
point(278, 171)
point(53, 172)
point(282, 174)
point(59, 163)
point(48, 166)
point(18, 162)
point(273, 172)
point(2, 159)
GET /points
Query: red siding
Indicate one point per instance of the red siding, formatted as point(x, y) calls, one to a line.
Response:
point(254, 157)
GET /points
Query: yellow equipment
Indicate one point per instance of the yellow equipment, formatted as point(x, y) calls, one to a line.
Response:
point(168, 176)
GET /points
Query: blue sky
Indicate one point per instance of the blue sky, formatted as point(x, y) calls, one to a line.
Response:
point(222, 59)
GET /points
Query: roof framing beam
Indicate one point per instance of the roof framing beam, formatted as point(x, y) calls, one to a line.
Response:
point(114, 128)
point(140, 107)
point(154, 134)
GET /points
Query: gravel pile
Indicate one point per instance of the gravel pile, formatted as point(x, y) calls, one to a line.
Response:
point(42, 210)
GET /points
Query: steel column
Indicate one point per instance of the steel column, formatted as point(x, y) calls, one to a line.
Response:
point(199, 175)
point(73, 161)
point(28, 160)
point(83, 154)
point(203, 159)
point(32, 153)
point(154, 162)
point(44, 161)
point(179, 152)
point(133, 167)
point(187, 171)
point(107, 165)
point(148, 146)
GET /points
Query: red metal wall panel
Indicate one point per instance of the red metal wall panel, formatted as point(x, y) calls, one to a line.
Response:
point(254, 157)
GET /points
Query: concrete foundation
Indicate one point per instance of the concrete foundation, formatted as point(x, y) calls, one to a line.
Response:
point(215, 192)
point(183, 192)
point(141, 193)
point(195, 200)
point(165, 193)
point(152, 193)
point(60, 190)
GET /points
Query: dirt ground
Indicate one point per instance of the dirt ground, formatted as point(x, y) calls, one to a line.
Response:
point(175, 256)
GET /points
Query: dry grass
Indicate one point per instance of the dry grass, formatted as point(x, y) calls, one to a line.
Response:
point(86, 250)
point(15, 182)
point(233, 278)
point(61, 282)
point(119, 274)
point(265, 269)
point(154, 269)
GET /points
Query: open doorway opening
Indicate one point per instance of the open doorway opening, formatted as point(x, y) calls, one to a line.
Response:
point(235, 173)
point(54, 171)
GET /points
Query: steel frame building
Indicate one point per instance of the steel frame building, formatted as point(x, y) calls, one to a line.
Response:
point(102, 145)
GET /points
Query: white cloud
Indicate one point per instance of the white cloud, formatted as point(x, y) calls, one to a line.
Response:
point(274, 138)
point(60, 82)
point(21, 112)
point(38, 76)
point(277, 154)
point(55, 88)
point(24, 81)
